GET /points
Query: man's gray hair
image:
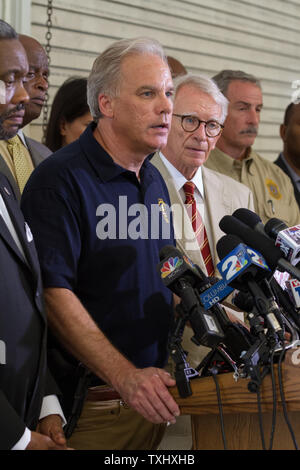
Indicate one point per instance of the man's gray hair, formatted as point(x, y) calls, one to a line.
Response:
point(207, 85)
point(105, 76)
point(225, 77)
point(7, 31)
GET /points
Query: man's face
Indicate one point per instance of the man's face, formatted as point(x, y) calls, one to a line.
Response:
point(37, 79)
point(13, 70)
point(189, 150)
point(141, 113)
point(241, 124)
point(290, 135)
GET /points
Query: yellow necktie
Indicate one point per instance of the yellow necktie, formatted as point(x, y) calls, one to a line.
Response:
point(22, 168)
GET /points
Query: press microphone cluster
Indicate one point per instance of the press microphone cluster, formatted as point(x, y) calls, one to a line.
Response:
point(208, 319)
point(248, 226)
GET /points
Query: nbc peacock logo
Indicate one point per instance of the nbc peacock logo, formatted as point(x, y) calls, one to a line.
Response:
point(169, 266)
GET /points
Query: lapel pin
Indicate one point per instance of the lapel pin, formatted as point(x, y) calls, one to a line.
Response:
point(6, 190)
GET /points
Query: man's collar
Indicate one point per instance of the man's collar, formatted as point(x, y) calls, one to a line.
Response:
point(293, 174)
point(179, 179)
point(101, 161)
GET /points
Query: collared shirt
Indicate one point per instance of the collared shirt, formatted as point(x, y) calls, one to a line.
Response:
point(295, 177)
point(94, 233)
point(273, 192)
point(179, 180)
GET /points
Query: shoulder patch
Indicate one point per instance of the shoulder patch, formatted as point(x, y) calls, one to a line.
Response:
point(273, 188)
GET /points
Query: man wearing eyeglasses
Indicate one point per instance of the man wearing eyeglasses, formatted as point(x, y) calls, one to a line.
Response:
point(199, 113)
point(198, 116)
point(199, 197)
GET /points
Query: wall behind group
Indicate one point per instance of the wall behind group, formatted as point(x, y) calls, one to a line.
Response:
point(257, 36)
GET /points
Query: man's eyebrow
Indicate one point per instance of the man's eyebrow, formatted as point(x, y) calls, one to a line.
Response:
point(245, 103)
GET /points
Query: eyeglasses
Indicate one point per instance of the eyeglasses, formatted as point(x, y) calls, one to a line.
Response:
point(192, 123)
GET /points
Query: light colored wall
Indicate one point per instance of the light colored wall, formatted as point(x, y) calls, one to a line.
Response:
point(257, 36)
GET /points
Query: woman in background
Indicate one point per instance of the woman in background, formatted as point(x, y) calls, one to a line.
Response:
point(70, 114)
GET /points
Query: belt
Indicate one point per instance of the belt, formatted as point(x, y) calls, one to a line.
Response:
point(102, 393)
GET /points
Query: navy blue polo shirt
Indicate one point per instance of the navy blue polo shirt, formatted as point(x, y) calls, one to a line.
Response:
point(98, 232)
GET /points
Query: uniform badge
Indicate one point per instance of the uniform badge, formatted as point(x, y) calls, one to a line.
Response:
point(28, 233)
point(162, 206)
point(273, 189)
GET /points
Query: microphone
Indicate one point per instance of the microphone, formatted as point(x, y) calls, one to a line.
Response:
point(286, 238)
point(274, 226)
point(251, 219)
point(271, 253)
point(245, 269)
point(293, 290)
point(179, 274)
point(183, 270)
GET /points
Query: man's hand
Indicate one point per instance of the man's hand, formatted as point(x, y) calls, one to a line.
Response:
point(146, 391)
point(49, 435)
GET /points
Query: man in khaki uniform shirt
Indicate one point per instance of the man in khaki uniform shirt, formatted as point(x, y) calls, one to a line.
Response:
point(233, 156)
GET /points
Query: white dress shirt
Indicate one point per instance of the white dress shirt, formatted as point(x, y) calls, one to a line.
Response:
point(179, 180)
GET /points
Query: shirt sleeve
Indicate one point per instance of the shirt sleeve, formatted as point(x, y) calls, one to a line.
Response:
point(57, 235)
point(24, 441)
point(51, 406)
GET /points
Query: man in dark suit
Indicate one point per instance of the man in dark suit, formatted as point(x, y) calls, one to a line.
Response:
point(30, 415)
point(36, 85)
point(289, 159)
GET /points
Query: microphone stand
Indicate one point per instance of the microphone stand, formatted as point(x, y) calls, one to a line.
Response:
point(183, 372)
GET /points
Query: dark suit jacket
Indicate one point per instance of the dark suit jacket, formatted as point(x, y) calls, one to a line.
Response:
point(38, 153)
point(283, 166)
point(22, 329)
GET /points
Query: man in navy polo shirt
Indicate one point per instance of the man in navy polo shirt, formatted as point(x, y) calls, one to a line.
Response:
point(90, 207)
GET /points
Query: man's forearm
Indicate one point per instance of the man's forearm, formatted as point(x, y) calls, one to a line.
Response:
point(81, 336)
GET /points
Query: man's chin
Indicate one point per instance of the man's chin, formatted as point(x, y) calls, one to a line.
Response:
point(6, 134)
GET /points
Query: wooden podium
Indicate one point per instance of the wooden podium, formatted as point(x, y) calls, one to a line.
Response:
point(240, 410)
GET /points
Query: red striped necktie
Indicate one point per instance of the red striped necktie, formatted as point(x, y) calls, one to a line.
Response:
point(198, 226)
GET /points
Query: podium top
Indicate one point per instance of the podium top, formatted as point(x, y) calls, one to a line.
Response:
point(235, 395)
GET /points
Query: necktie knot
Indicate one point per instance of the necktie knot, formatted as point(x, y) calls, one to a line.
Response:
point(13, 141)
point(21, 161)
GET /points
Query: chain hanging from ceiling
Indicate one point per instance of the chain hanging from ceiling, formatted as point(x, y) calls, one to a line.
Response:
point(48, 37)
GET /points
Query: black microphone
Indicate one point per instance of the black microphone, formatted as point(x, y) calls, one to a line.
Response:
point(179, 274)
point(251, 219)
point(251, 277)
point(271, 253)
point(274, 226)
point(237, 338)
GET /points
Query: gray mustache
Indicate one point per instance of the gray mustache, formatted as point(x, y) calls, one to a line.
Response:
point(250, 130)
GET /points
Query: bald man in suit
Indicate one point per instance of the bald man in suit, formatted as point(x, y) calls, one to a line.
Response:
point(30, 414)
point(36, 85)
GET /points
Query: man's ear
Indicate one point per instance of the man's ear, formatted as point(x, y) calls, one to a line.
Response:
point(105, 105)
point(62, 127)
point(282, 132)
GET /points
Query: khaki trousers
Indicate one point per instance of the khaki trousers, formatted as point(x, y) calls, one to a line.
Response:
point(109, 425)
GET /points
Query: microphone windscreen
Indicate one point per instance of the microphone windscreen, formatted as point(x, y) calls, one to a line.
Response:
point(270, 252)
point(226, 244)
point(274, 226)
point(168, 250)
point(248, 217)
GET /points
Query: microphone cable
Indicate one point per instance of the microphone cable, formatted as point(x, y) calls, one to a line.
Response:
point(261, 429)
point(284, 407)
point(274, 413)
point(214, 372)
